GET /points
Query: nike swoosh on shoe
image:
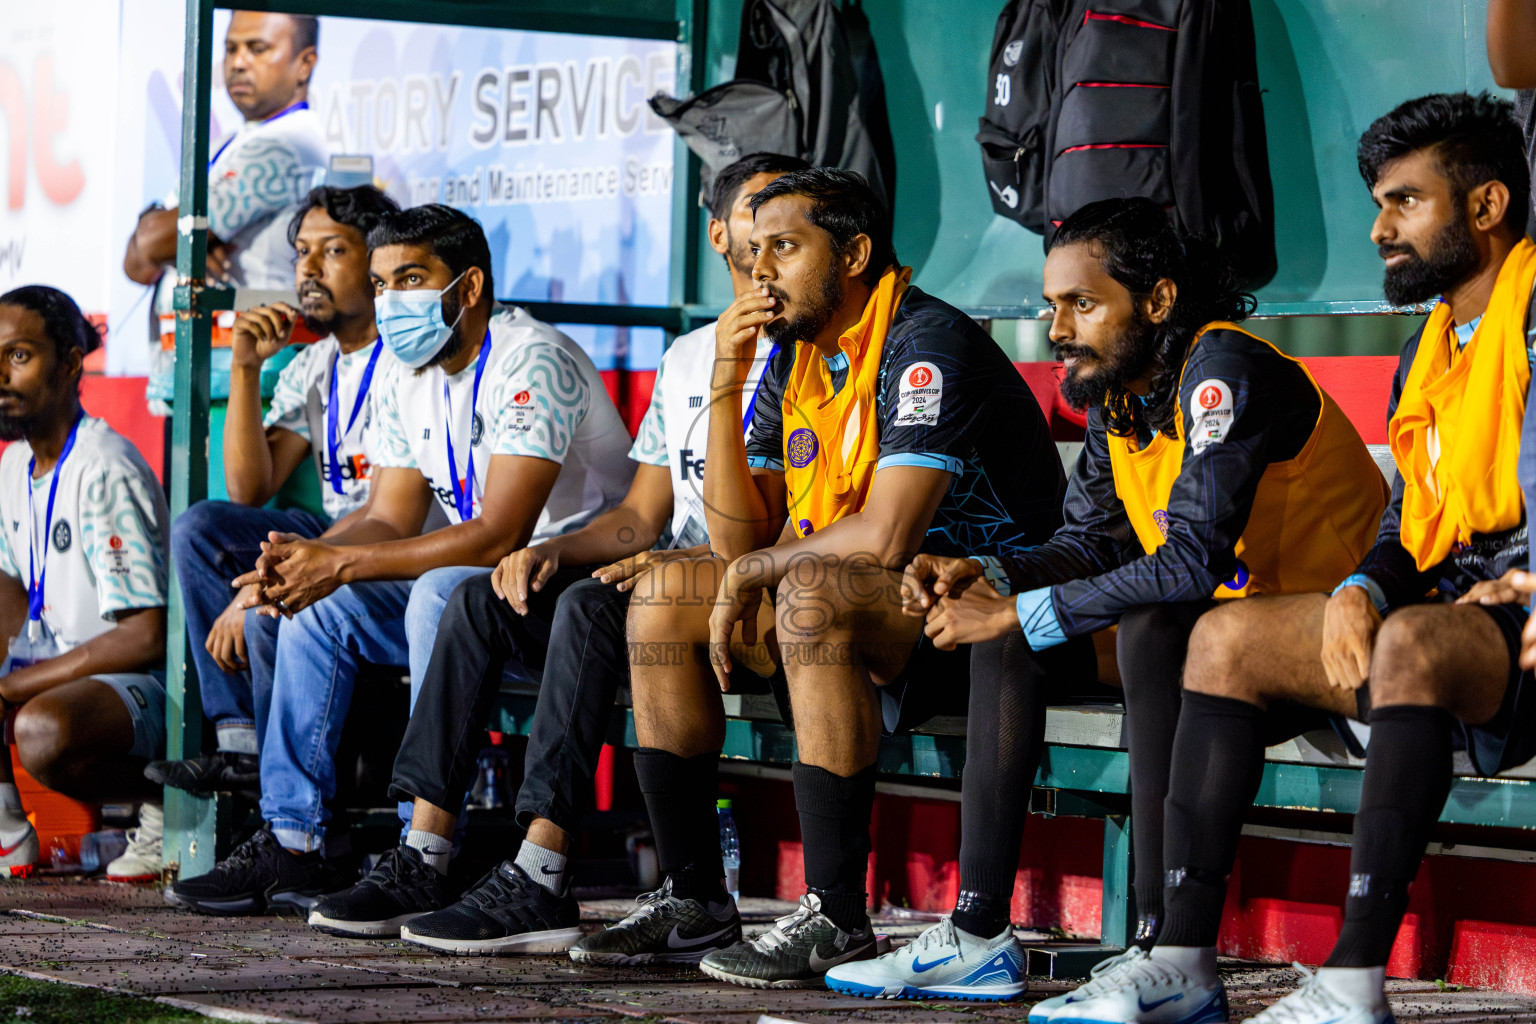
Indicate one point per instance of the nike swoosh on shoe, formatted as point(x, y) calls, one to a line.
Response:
point(821, 966)
point(673, 937)
point(1147, 1007)
point(920, 967)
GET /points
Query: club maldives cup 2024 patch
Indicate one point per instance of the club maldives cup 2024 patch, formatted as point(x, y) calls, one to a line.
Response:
point(918, 395)
point(1211, 415)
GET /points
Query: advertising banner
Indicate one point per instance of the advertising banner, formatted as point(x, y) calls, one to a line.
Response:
point(543, 137)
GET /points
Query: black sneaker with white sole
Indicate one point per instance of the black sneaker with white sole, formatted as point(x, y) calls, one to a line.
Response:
point(663, 929)
point(505, 914)
point(400, 888)
point(796, 952)
point(222, 771)
point(258, 877)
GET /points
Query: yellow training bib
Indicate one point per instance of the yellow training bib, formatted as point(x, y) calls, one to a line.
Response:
point(1313, 518)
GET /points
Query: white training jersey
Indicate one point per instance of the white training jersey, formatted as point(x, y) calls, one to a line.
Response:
point(301, 402)
point(675, 430)
point(106, 547)
point(256, 178)
point(540, 396)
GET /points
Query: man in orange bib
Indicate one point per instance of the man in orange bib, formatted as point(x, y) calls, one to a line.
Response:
point(1421, 641)
point(1208, 453)
point(898, 427)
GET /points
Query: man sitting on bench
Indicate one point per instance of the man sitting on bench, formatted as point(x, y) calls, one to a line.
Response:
point(215, 541)
point(501, 419)
point(546, 607)
point(1449, 175)
point(82, 582)
point(1206, 449)
point(900, 426)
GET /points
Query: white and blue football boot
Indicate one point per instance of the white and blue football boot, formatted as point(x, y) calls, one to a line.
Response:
point(1316, 1003)
point(1105, 975)
point(1148, 991)
point(941, 963)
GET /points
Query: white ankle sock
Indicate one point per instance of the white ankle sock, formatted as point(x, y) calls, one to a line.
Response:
point(12, 817)
point(236, 739)
point(543, 866)
point(1357, 986)
point(1198, 963)
point(434, 849)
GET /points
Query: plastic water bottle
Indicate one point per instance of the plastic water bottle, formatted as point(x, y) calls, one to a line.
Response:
point(730, 849)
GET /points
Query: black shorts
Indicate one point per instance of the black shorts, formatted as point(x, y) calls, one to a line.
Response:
point(934, 682)
point(1505, 741)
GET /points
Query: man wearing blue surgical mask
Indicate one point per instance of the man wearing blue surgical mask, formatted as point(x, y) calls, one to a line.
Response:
point(500, 419)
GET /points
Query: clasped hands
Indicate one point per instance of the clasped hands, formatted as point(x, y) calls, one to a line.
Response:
point(292, 573)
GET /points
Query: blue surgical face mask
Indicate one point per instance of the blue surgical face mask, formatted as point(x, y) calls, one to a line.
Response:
point(411, 323)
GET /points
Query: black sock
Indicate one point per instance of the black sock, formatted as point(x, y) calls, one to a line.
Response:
point(1003, 743)
point(834, 831)
point(1150, 647)
point(1407, 778)
point(680, 799)
point(1218, 760)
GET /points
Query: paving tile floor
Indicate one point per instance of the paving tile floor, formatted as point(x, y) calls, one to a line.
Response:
point(277, 969)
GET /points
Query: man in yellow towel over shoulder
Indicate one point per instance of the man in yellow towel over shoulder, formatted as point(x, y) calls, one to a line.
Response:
point(1422, 641)
point(899, 427)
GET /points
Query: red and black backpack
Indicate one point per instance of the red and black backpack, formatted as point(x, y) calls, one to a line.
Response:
point(1092, 99)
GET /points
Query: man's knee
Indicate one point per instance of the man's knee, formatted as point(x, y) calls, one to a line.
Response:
point(42, 740)
point(191, 530)
point(1408, 666)
point(1216, 662)
point(817, 599)
point(429, 599)
point(674, 603)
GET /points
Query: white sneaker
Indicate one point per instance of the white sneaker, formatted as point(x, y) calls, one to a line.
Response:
point(938, 964)
point(142, 861)
point(20, 855)
point(1316, 1003)
point(1105, 975)
point(1148, 991)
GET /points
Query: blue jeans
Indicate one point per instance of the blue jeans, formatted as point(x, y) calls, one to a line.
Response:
point(318, 653)
point(211, 543)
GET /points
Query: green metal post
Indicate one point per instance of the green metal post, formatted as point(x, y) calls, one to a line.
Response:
point(1117, 912)
point(692, 37)
point(189, 821)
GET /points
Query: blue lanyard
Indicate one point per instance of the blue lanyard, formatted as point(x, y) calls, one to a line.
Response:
point(464, 492)
point(301, 105)
point(746, 419)
point(333, 413)
point(35, 580)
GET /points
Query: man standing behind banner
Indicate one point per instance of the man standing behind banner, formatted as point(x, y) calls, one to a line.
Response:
point(267, 166)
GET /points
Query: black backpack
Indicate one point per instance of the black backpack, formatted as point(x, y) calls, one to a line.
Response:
point(1020, 81)
point(1155, 98)
point(807, 84)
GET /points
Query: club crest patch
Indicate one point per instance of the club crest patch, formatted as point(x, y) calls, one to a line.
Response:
point(801, 448)
point(476, 430)
point(62, 536)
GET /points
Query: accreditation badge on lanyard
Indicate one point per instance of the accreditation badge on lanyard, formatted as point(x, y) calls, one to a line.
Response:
point(464, 489)
point(291, 109)
point(37, 642)
point(333, 413)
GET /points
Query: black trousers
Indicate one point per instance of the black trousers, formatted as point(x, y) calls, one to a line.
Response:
point(574, 632)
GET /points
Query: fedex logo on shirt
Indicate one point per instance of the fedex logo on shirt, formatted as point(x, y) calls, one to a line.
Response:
point(687, 463)
point(355, 467)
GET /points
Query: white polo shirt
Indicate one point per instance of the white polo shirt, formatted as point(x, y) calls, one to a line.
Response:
point(675, 430)
point(539, 396)
point(106, 545)
point(300, 402)
point(255, 179)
